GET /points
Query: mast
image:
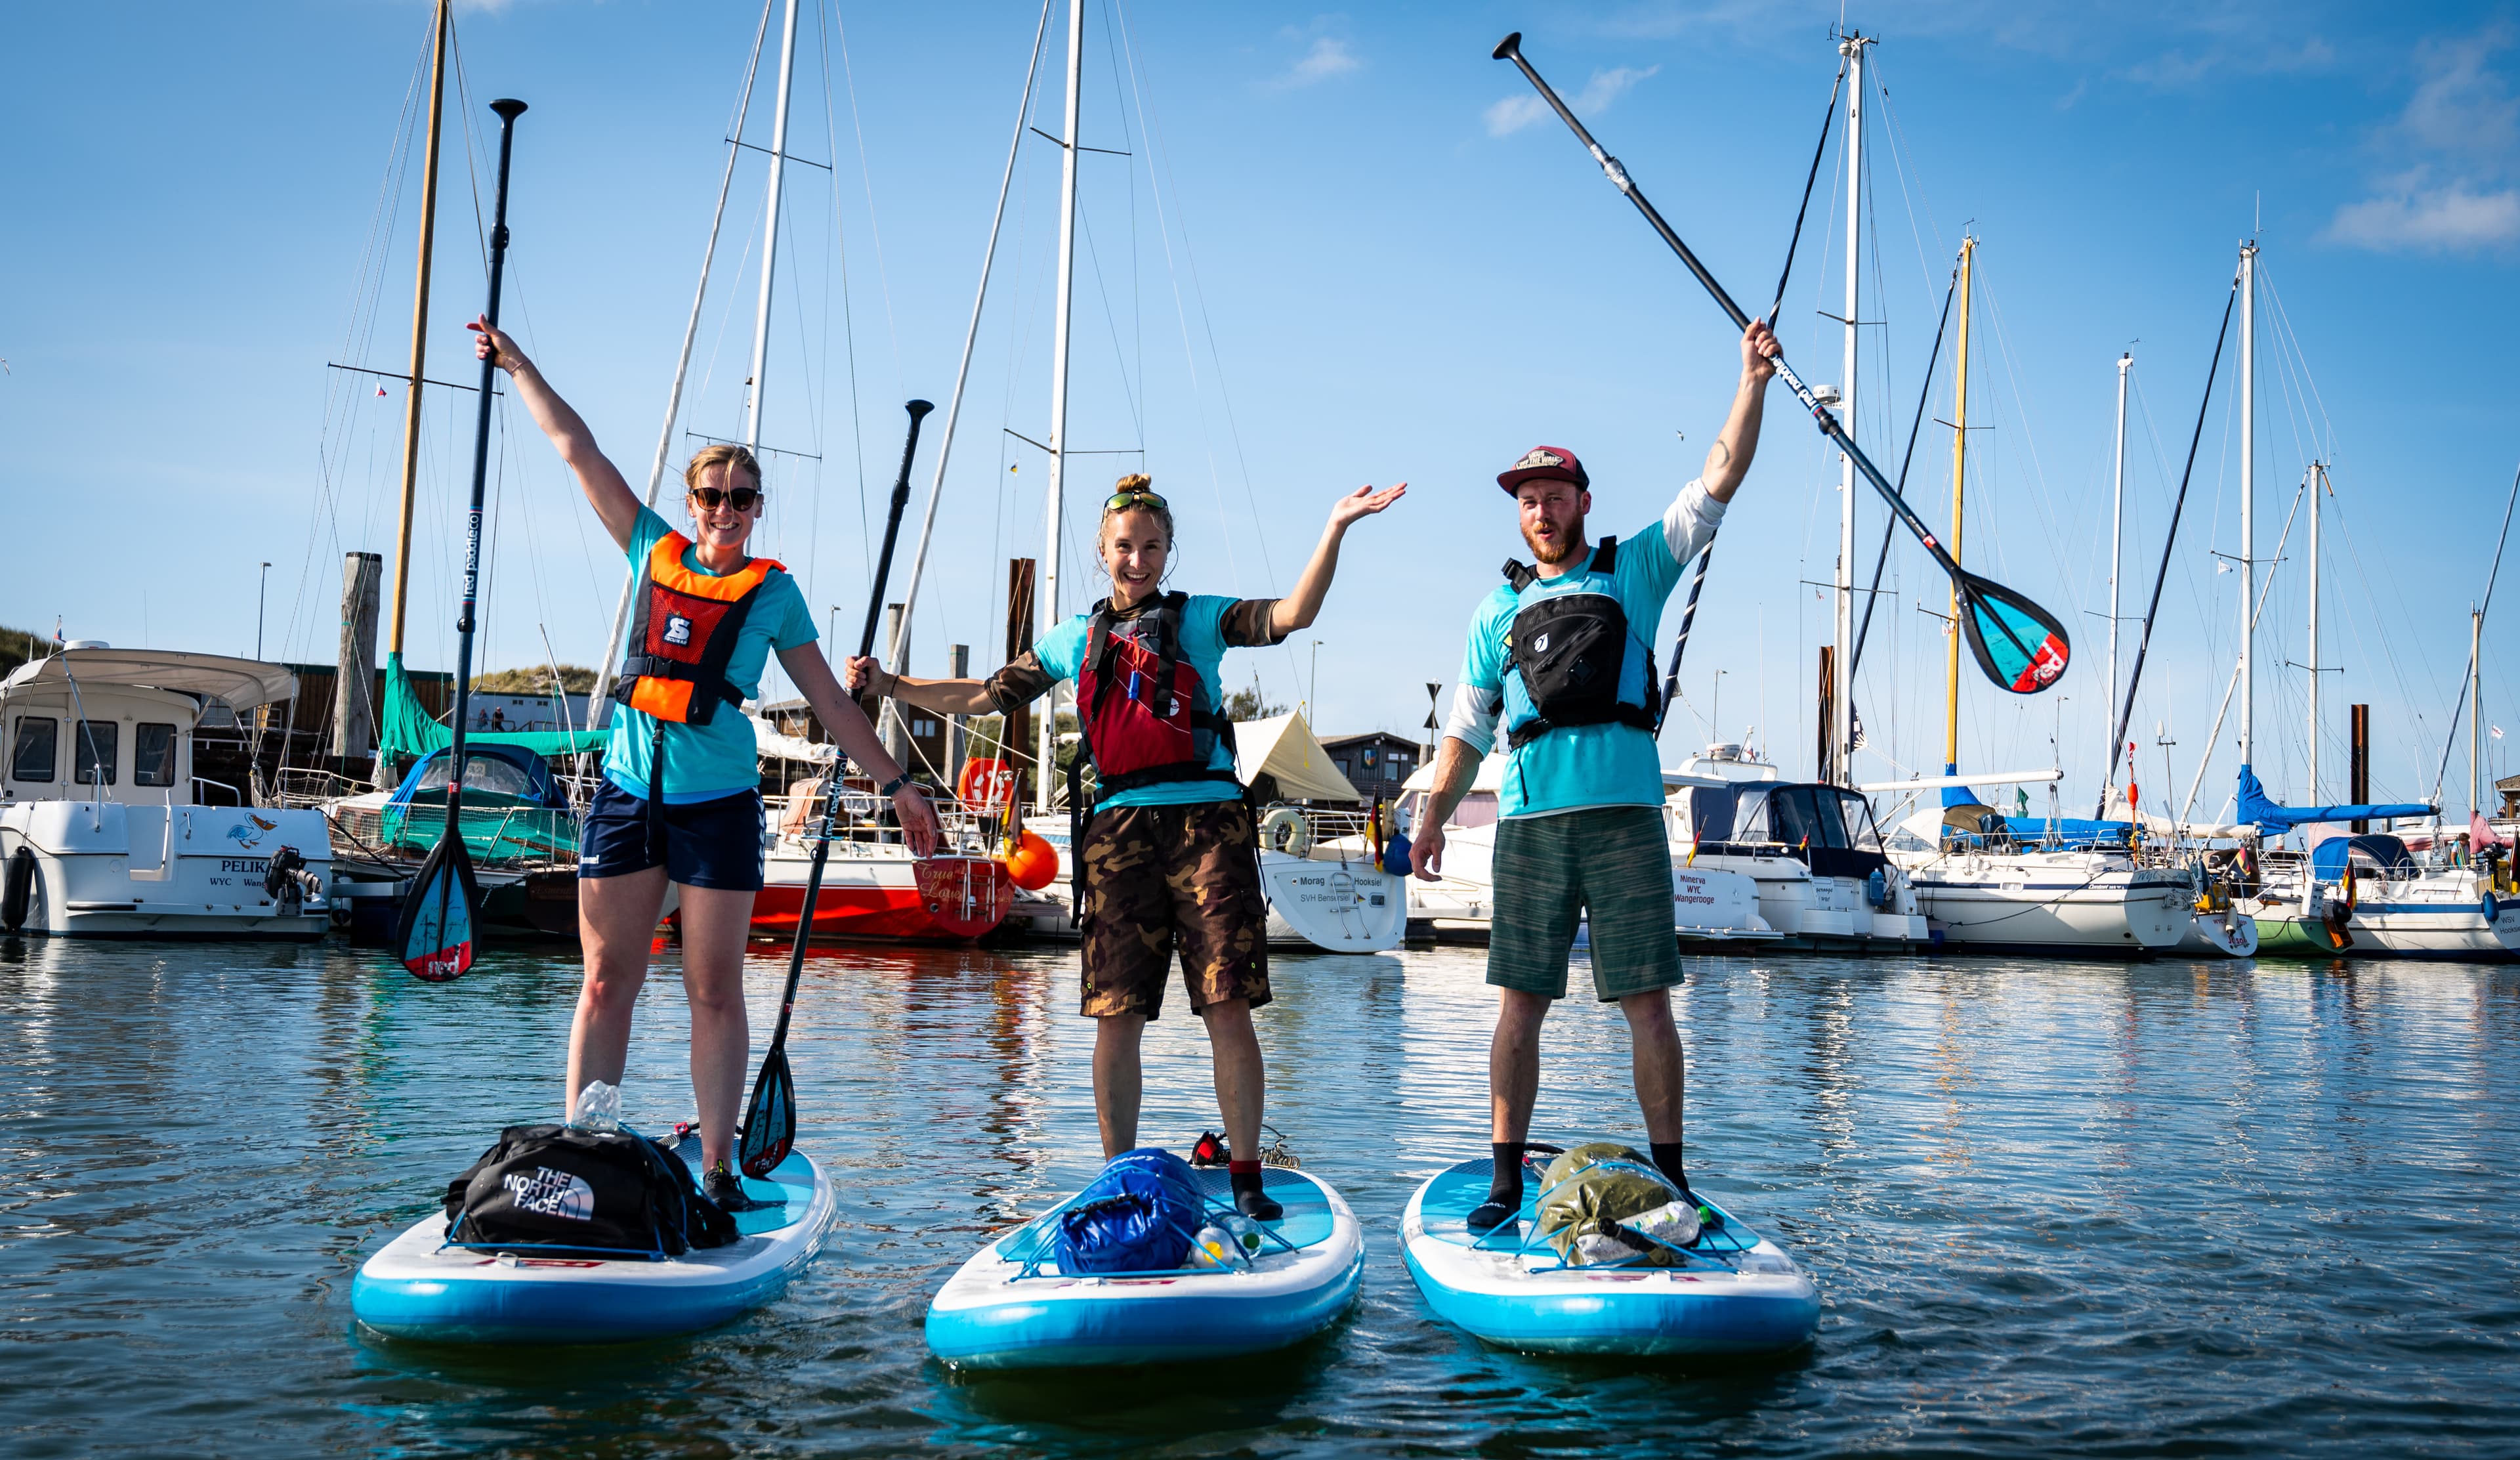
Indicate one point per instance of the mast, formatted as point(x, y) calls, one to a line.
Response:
point(1959, 461)
point(419, 333)
point(599, 712)
point(2475, 712)
point(900, 650)
point(2117, 532)
point(2248, 481)
point(1841, 729)
point(2317, 490)
point(1049, 740)
point(770, 232)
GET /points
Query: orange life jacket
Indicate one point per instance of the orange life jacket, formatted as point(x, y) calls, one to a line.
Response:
point(684, 634)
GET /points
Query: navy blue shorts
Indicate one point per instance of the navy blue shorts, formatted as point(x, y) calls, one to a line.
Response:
point(712, 843)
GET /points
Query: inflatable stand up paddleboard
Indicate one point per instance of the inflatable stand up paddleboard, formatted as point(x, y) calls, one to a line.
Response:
point(1729, 1292)
point(416, 1287)
point(1010, 1307)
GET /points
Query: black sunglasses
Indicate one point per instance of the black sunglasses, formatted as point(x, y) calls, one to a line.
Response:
point(740, 498)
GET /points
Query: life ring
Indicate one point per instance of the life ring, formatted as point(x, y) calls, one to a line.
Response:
point(1285, 829)
point(985, 784)
point(20, 889)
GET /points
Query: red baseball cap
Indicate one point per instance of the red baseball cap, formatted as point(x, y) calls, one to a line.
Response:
point(1545, 463)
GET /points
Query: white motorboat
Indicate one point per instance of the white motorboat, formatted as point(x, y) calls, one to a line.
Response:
point(100, 834)
point(1822, 878)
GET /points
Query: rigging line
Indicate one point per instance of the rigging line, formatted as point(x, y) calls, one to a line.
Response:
point(2283, 322)
point(1133, 395)
point(1899, 148)
point(1137, 270)
point(2231, 685)
point(2449, 735)
point(848, 308)
point(2168, 541)
point(1924, 391)
point(1827, 116)
point(2029, 440)
point(875, 229)
point(2397, 665)
point(1151, 127)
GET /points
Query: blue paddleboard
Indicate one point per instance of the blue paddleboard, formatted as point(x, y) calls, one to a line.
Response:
point(416, 1287)
point(1735, 1292)
point(1010, 1306)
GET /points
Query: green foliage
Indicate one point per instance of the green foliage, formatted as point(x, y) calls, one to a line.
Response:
point(536, 679)
point(1251, 705)
point(17, 645)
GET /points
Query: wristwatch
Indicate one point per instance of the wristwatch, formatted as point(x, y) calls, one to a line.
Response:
point(893, 784)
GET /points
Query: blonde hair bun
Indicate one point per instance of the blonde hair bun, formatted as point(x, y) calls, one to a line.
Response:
point(1135, 481)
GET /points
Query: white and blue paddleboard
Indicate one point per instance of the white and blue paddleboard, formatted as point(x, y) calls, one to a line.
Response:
point(1733, 1294)
point(1010, 1307)
point(419, 1288)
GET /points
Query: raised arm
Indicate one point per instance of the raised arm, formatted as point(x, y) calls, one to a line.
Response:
point(944, 695)
point(596, 477)
point(859, 742)
point(1727, 461)
point(1298, 609)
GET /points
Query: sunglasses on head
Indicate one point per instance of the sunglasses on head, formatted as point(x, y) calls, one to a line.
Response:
point(740, 498)
point(1123, 501)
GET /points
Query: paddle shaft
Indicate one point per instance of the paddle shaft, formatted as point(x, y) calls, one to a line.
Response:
point(1510, 49)
point(507, 111)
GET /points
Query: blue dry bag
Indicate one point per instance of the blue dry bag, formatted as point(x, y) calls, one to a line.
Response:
point(1395, 856)
point(1138, 1217)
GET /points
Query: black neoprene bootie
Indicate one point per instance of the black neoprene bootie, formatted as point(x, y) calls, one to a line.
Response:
point(1248, 1197)
point(1666, 1158)
point(1505, 1188)
point(722, 1187)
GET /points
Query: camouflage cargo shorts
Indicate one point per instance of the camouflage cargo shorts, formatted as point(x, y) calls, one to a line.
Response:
point(1160, 877)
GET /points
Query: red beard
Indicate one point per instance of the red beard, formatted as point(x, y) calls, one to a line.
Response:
point(1567, 544)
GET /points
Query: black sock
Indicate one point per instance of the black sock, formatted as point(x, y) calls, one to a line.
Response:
point(1505, 1183)
point(1666, 1159)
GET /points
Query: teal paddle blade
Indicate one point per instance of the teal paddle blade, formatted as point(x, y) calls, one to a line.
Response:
point(2017, 643)
point(434, 935)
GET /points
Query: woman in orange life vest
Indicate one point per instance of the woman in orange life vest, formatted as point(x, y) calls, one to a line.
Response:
point(706, 618)
point(1171, 858)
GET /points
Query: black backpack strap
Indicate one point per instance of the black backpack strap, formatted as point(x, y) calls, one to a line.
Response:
point(1606, 558)
point(1519, 573)
point(1168, 635)
point(1098, 647)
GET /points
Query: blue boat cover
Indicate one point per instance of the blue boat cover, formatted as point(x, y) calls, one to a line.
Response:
point(2256, 807)
point(2330, 858)
point(1138, 1217)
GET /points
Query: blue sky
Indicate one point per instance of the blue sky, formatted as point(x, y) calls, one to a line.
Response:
point(1340, 250)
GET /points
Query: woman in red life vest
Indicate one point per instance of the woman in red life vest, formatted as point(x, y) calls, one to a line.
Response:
point(680, 799)
point(1170, 858)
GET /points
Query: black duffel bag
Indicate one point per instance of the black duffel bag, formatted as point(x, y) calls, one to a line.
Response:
point(560, 1188)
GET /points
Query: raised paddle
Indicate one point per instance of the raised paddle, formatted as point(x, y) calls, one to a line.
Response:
point(768, 1130)
point(435, 933)
point(2019, 645)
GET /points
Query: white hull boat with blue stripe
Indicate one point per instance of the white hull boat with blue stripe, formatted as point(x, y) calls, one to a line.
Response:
point(419, 1288)
point(1010, 1307)
point(1734, 1293)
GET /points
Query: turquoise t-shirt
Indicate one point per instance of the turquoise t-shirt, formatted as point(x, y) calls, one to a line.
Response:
point(704, 763)
point(1579, 766)
point(1061, 652)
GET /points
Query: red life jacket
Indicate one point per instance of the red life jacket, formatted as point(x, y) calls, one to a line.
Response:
point(683, 635)
point(1144, 718)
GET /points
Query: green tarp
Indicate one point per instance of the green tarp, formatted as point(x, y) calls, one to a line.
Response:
point(406, 731)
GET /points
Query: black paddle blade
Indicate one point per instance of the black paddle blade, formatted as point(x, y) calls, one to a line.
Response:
point(434, 936)
point(2019, 645)
point(770, 1121)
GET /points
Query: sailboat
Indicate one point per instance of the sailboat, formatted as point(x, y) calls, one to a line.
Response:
point(1995, 884)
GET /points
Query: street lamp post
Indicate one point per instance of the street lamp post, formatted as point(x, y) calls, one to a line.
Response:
point(1313, 696)
point(261, 595)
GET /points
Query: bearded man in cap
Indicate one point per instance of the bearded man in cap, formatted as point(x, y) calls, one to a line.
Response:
point(1560, 657)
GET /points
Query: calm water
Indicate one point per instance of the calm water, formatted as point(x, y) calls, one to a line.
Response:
point(2169, 1208)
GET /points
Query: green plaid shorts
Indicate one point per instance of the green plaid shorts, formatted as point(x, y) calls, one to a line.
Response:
point(1610, 865)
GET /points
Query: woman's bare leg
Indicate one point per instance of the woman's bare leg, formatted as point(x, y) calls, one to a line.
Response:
point(715, 923)
point(616, 921)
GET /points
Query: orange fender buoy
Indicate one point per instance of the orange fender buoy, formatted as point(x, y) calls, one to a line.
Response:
point(1032, 862)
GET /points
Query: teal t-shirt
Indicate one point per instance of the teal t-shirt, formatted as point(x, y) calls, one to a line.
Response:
point(1061, 653)
point(1579, 766)
point(704, 763)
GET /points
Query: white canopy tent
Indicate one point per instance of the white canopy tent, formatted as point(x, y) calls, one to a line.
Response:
point(1286, 747)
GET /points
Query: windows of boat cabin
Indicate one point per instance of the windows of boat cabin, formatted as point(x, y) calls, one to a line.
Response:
point(34, 752)
point(153, 755)
point(483, 775)
point(1807, 816)
point(1709, 810)
point(1478, 808)
point(1856, 812)
point(95, 745)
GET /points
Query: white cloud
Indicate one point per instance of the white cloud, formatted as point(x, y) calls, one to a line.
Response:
point(1329, 57)
point(2451, 185)
point(1515, 112)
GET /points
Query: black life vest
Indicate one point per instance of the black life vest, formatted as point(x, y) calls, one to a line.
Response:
point(683, 635)
point(1576, 662)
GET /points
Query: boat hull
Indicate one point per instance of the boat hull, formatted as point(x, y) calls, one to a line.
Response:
point(107, 868)
point(2043, 906)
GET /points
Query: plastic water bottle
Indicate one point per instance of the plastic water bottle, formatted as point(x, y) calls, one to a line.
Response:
point(598, 1108)
point(1216, 1248)
point(1246, 1237)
